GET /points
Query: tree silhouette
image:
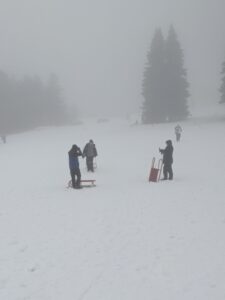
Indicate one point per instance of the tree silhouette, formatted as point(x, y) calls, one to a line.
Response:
point(153, 110)
point(28, 103)
point(222, 88)
point(165, 87)
point(176, 79)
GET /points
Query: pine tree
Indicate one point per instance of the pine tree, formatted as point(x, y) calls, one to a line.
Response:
point(222, 88)
point(6, 104)
point(176, 79)
point(153, 110)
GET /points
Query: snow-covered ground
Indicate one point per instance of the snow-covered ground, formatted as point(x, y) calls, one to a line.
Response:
point(126, 239)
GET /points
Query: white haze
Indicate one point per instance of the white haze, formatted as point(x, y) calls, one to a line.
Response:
point(98, 48)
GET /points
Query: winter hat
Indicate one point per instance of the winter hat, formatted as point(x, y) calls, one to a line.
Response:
point(169, 142)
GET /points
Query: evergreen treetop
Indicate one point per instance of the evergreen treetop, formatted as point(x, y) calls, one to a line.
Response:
point(152, 90)
point(165, 87)
point(222, 88)
point(176, 81)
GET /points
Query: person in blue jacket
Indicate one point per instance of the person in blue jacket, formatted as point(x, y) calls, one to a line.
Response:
point(74, 153)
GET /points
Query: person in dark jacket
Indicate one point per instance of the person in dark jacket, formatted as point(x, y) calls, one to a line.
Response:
point(74, 153)
point(167, 160)
point(90, 152)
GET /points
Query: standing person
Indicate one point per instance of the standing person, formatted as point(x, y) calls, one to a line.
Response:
point(167, 160)
point(90, 152)
point(178, 131)
point(74, 153)
point(3, 137)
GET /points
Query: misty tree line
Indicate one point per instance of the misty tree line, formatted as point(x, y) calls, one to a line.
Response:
point(222, 88)
point(28, 103)
point(165, 85)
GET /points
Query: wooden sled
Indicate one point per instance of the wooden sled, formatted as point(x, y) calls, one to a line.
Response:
point(84, 183)
point(88, 182)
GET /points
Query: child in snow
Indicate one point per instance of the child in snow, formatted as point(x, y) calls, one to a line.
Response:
point(178, 131)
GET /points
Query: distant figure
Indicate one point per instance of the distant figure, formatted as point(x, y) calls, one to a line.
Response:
point(74, 153)
point(3, 137)
point(178, 131)
point(90, 152)
point(167, 160)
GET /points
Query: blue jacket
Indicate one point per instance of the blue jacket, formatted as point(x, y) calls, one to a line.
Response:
point(73, 157)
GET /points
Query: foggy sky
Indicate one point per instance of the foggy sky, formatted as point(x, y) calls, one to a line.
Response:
point(98, 48)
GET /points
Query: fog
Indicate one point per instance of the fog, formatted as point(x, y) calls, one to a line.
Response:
point(98, 48)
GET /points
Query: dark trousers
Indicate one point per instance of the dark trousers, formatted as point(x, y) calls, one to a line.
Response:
point(76, 177)
point(89, 162)
point(167, 170)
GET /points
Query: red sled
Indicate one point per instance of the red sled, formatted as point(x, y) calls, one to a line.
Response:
point(155, 173)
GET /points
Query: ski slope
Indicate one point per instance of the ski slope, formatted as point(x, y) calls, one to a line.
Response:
point(126, 239)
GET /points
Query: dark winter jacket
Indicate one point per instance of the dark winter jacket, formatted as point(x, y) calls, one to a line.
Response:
point(73, 157)
point(90, 150)
point(167, 153)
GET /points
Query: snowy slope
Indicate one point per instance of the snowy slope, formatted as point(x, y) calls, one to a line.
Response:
point(125, 239)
